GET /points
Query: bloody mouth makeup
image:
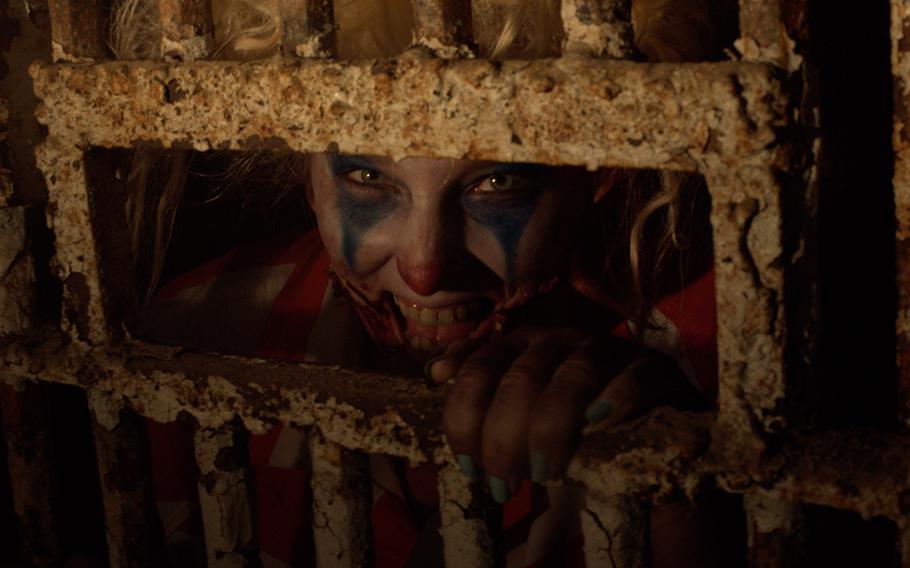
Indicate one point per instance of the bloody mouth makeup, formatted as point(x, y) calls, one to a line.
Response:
point(434, 250)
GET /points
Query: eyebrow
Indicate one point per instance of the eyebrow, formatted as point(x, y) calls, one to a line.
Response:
point(342, 162)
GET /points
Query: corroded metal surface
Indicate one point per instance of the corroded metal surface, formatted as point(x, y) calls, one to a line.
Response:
point(78, 29)
point(465, 538)
point(131, 521)
point(750, 275)
point(443, 26)
point(224, 497)
point(597, 28)
point(17, 278)
point(900, 67)
point(341, 504)
point(308, 27)
point(76, 262)
point(567, 111)
point(859, 470)
point(615, 530)
point(774, 532)
point(765, 34)
point(31, 472)
point(186, 29)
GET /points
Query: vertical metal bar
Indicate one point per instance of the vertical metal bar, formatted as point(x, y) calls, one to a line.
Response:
point(78, 29)
point(598, 28)
point(900, 69)
point(341, 504)
point(224, 497)
point(17, 279)
point(763, 33)
point(774, 532)
point(31, 476)
point(614, 531)
point(186, 29)
point(75, 257)
point(134, 536)
point(443, 26)
point(748, 252)
point(308, 27)
point(465, 536)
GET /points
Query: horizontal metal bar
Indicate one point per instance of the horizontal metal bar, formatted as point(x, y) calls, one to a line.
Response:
point(565, 111)
point(862, 470)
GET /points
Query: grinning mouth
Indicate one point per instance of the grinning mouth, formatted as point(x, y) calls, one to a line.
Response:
point(430, 330)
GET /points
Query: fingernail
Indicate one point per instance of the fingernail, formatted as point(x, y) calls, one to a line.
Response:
point(539, 470)
point(428, 368)
point(500, 490)
point(600, 410)
point(467, 465)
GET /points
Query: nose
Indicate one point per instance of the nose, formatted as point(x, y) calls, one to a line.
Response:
point(425, 253)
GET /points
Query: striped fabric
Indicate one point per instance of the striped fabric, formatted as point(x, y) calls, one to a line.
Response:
point(276, 300)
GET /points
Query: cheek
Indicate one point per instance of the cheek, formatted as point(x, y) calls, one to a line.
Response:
point(504, 225)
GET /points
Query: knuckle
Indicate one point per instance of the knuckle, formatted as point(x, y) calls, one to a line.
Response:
point(460, 427)
point(577, 369)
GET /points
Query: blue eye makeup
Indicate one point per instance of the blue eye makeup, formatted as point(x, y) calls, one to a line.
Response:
point(359, 210)
point(503, 201)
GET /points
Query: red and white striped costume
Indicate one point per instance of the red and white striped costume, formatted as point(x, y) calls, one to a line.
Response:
point(276, 300)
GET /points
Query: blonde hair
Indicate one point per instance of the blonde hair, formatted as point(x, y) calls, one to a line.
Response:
point(664, 30)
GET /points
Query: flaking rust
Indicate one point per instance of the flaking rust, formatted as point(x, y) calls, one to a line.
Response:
point(595, 112)
point(900, 68)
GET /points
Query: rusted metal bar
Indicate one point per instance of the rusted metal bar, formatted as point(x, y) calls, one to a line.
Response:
point(308, 27)
point(597, 28)
point(224, 497)
point(75, 259)
point(900, 68)
point(774, 532)
point(134, 536)
point(750, 271)
point(341, 504)
point(569, 111)
point(186, 29)
point(862, 470)
point(614, 529)
point(31, 472)
point(78, 29)
point(17, 279)
point(765, 34)
point(465, 535)
point(443, 26)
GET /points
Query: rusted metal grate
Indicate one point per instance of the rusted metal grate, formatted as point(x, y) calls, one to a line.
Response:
point(732, 122)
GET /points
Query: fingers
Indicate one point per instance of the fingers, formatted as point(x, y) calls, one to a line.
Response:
point(487, 411)
point(556, 423)
point(646, 383)
point(442, 369)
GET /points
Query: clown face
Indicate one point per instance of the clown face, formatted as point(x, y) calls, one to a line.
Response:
point(441, 242)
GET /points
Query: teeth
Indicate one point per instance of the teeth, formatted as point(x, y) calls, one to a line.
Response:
point(427, 316)
point(436, 316)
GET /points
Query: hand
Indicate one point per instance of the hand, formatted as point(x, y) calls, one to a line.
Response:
point(519, 402)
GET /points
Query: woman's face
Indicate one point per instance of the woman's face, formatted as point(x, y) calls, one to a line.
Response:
point(444, 240)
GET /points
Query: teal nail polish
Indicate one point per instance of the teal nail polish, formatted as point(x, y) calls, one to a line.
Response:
point(500, 490)
point(467, 465)
point(600, 410)
point(539, 470)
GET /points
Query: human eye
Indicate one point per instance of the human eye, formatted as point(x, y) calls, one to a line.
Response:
point(501, 186)
point(365, 177)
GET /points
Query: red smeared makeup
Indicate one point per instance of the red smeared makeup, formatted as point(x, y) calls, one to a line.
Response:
point(439, 243)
